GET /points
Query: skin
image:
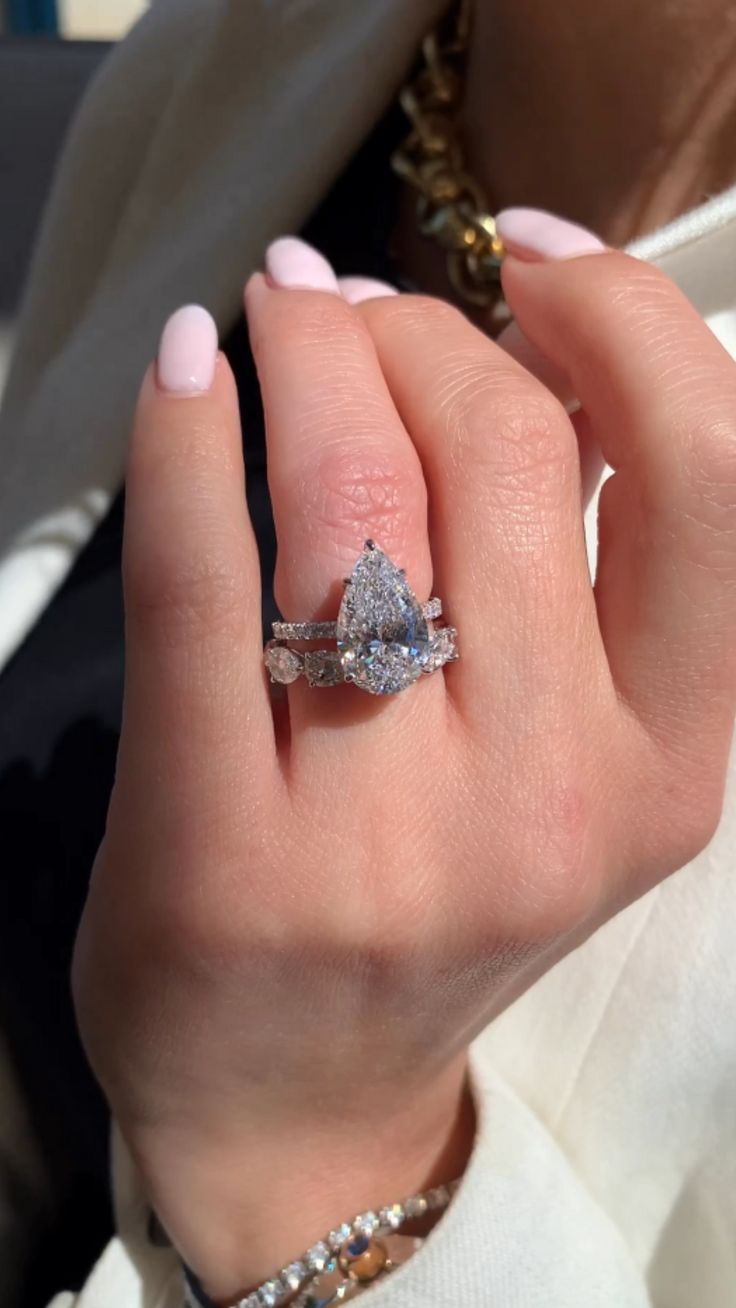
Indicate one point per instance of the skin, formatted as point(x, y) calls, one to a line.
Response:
point(567, 134)
point(573, 138)
point(298, 921)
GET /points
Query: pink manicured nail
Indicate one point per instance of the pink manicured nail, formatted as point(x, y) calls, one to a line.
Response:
point(544, 236)
point(357, 289)
point(187, 354)
point(292, 264)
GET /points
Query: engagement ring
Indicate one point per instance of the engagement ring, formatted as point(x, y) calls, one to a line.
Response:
point(385, 638)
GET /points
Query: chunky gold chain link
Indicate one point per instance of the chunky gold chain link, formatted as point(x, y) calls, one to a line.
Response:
point(451, 207)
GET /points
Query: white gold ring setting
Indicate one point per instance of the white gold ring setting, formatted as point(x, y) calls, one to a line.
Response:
point(385, 638)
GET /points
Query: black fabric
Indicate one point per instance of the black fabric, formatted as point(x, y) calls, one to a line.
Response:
point(60, 702)
point(196, 1289)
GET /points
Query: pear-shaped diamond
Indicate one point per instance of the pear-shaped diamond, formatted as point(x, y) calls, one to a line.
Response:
point(382, 634)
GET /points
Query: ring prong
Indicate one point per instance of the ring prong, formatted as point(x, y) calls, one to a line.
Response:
point(370, 544)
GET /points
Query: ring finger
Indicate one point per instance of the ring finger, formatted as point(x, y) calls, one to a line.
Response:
point(342, 469)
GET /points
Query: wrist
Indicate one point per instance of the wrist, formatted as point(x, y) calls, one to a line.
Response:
point(239, 1206)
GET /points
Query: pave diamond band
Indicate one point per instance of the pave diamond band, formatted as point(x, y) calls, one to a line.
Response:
point(385, 638)
point(431, 610)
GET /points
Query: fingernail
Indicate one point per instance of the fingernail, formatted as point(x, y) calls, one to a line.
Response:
point(187, 354)
point(357, 289)
point(544, 236)
point(292, 264)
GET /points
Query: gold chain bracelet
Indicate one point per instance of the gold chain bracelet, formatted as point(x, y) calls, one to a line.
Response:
point(451, 207)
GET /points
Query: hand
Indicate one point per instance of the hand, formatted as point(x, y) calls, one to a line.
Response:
point(297, 924)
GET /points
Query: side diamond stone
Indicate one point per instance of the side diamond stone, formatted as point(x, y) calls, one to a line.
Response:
point(337, 1238)
point(294, 1275)
point(284, 664)
point(323, 667)
point(391, 1217)
point(318, 1256)
point(442, 648)
point(366, 1224)
point(271, 1294)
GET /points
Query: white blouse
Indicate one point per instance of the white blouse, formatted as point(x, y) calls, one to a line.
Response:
point(604, 1170)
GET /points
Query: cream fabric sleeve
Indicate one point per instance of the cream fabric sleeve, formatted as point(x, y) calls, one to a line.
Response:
point(522, 1232)
point(604, 1172)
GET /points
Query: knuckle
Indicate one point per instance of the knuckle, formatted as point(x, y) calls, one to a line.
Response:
point(694, 501)
point(676, 805)
point(710, 459)
point(686, 814)
point(513, 436)
point(345, 402)
point(696, 391)
point(545, 865)
point(195, 457)
point(352, 492)
point(414, 315)
point(699, 829)
point(199, 598)
point(676, 838)
point(319, 323)
point(499, 424)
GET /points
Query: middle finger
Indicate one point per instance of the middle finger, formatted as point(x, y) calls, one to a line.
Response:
point(502, 466)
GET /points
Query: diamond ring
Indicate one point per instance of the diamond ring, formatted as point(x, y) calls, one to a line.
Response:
point(385, 638)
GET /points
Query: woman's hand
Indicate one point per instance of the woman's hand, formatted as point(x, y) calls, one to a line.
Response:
point(295, 927)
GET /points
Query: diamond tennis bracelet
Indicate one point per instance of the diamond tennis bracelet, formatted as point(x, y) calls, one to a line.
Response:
point(354, 1249)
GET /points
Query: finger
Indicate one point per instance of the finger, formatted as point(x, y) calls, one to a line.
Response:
point(292, 262)
point(515, 343)
point(341, 468)
point(660, 395)
point(358, 289)
point(501, 463)
point(194, 682)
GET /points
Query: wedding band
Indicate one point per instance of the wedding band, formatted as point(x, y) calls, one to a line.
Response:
point(385, 638)
point(432, 609)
